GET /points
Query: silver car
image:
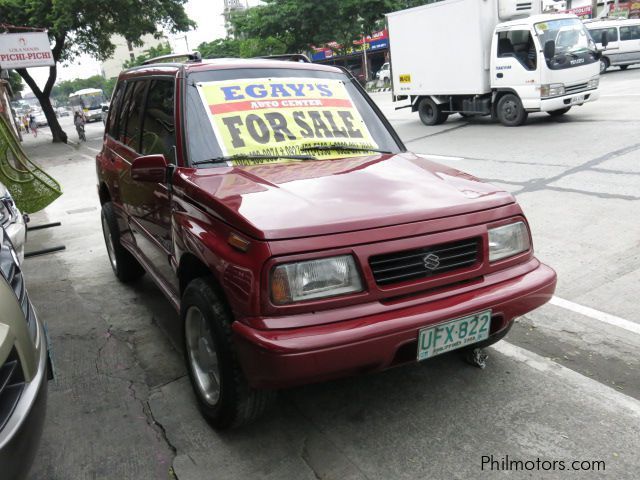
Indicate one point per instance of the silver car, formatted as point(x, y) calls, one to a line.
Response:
point(13, 222)
point(23, 369)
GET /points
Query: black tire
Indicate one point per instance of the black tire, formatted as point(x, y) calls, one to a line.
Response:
point(510, 111)
point(560, 112)
point(624, 67)
point(604, 64)
point(430, 112)
point(124, 265)
point(235, 403)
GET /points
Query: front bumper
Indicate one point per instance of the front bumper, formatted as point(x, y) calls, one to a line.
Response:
point(286, 357)
point(573, 99)
point(17, 232)
point(20, 437)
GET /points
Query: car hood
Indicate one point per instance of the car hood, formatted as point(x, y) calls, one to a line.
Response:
point(292, 200)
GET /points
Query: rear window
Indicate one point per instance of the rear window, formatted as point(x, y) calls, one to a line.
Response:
point(279, 112)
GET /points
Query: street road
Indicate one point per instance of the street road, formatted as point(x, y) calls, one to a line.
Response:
point(563, 386)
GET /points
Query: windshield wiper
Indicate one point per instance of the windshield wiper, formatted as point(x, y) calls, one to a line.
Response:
point(231, 158)
point(321, 148)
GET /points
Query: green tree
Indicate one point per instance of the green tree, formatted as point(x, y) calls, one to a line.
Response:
point(86, 26)
point(161, 49)
point(299, 24)
point(15, 81)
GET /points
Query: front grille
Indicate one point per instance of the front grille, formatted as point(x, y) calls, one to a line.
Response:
point(424, 262)
point(523, 6)
point(11, 386)
point(12, 273)
point(575, 88)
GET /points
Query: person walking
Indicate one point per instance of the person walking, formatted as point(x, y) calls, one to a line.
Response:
point(25, 123)
point(33, 125)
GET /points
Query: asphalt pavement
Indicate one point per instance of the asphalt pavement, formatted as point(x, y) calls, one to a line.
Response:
point(564, 386)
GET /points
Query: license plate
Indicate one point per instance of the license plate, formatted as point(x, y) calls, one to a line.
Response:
point(578, 99)
point(453, 334)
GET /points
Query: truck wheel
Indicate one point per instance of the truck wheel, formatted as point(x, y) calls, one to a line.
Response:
point(604, 64)
point(430, 113)
point(224, 396)
point(124, 265)
point(557, 113)
point(510, 111)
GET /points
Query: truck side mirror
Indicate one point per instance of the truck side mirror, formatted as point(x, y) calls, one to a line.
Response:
point(605, 39)
point(149, 168)
point(549, 49)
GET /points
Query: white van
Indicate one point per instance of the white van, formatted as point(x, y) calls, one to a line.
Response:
point(624, 41)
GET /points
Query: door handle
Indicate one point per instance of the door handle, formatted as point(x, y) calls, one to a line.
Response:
point(499, 75)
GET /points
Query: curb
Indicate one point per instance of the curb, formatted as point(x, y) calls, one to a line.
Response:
point(377, 90)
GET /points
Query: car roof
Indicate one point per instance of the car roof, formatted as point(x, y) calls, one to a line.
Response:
point(222, 64)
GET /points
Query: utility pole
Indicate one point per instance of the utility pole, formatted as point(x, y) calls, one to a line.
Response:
point(594, 8)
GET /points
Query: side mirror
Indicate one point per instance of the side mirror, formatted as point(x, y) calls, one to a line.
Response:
point(549, 49)
point(150, 168)
point(605, 39)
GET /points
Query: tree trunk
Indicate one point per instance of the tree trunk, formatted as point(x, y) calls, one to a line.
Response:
point(45, 102)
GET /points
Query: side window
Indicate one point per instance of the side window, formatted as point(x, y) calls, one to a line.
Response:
point(518, 44)
point(133, 113)
point(121, 119)
point(158, 131)
point(625, 33)
point(114, 110)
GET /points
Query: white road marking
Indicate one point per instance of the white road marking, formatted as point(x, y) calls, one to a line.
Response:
point(439, 157)
point(613, 398)
point(596, 314)
point(88, 156)
point(94, 149)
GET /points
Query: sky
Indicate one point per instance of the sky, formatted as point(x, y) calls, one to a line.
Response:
point(210, 26)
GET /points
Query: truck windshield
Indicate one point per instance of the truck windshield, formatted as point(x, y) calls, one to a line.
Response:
point(278, 112)
point(574, 46)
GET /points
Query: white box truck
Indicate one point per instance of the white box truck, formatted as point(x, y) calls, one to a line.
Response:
point(490, 57)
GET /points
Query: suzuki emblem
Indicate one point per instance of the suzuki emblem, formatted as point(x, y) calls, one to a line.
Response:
point(431, 261)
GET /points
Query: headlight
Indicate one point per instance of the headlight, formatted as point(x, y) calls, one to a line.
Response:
point(327, 277)
point(552, 90)
point(508, 240)
point(594, 82)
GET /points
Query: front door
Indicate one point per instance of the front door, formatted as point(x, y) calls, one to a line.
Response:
point(514, 63)
point(151, 206)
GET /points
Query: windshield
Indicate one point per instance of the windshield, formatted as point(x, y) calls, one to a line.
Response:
point(279, 112)
point(573, 44)
point(569, 35)
point(89, 101)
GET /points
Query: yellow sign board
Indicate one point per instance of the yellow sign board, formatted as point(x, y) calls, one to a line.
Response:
point(406, 78)
point(284, 116)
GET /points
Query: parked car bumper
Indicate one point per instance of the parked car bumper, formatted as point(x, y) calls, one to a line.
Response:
point(17, 232)
point(19, 439)
point(287, 357)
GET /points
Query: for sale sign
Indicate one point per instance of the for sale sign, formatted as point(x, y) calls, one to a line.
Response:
point(24, 50)
point(284, 116)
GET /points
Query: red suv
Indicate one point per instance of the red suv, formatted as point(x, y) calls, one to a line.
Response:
point(282, 216)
